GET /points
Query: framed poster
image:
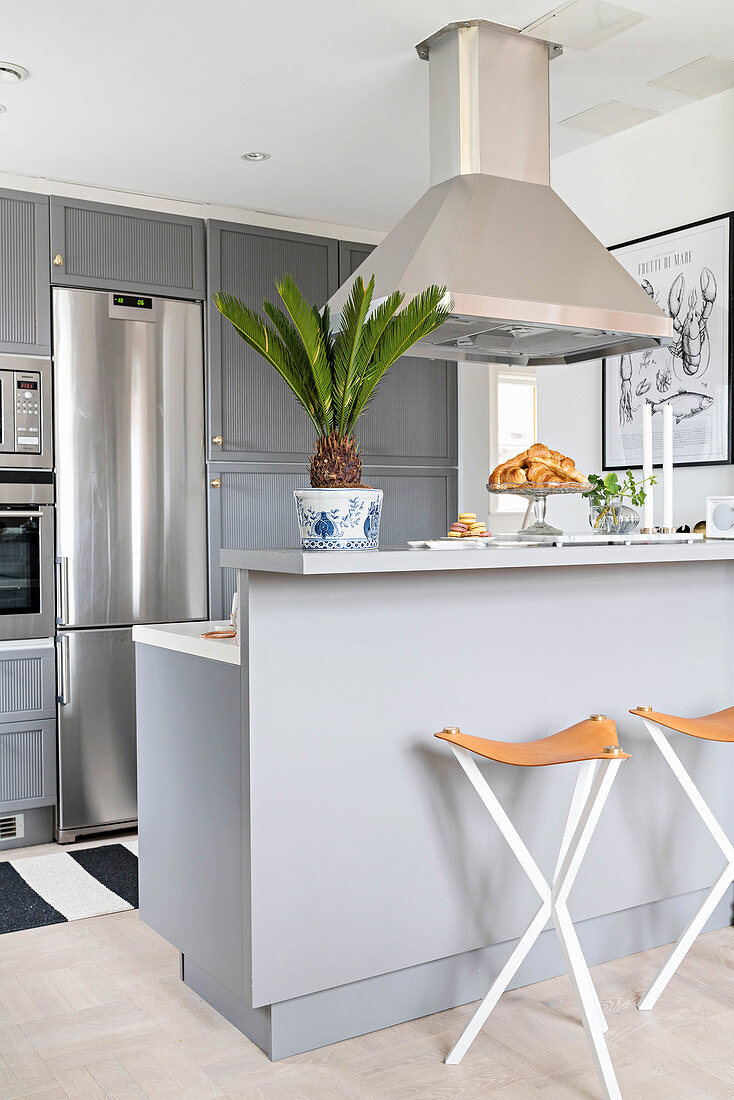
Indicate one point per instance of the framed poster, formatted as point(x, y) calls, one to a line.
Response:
point(688, 272)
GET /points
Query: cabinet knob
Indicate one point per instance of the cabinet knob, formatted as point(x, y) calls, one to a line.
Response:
point(58, 260)
point(217, 441)
point(216, 482)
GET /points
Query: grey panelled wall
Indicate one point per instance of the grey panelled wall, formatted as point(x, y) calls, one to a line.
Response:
point(122, 248)
point(249, 405)
point(254, 508)
point(24, 274)
point(413, 418)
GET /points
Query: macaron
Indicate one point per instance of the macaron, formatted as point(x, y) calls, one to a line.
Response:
point(467, 517)
point(454, 535)
point(459, 527)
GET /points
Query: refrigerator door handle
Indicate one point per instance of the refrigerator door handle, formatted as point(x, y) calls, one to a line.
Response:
point(62, 588)
point(62, 670)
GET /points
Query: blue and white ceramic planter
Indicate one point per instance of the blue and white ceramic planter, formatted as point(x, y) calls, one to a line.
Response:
point(339, 519)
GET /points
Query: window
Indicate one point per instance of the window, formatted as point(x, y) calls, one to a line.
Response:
point(512, 420)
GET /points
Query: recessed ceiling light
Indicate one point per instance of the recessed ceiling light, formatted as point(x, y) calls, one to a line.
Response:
point(582, 24)
point(707, 76)
point(610, 118)
point(256, 156)
point(11, 74)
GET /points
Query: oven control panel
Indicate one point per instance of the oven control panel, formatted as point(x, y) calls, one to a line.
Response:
point(27, 386)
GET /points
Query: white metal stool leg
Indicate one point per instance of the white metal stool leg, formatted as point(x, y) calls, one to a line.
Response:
point(590, 794)
point(581, 793)
point(717, 891)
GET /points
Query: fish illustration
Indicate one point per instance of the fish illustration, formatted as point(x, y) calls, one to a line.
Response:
point(684, 403)
point(643, 387)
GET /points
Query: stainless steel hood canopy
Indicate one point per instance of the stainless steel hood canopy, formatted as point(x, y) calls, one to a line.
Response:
point(529, 282)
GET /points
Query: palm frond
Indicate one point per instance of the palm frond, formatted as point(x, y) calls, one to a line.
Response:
point(421, 316)
point(265, 340)
point(372, 333)
point(308, 323)
point(294, 345)
point(350, 358)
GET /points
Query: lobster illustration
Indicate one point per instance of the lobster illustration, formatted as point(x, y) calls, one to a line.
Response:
point(625, 390)
point(692, 328)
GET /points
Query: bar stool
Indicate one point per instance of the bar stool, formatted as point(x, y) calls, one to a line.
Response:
point(593, 744)
point(712, 727)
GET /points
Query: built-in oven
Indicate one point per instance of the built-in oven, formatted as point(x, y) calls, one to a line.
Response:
point(27, 604)
point(25, 413)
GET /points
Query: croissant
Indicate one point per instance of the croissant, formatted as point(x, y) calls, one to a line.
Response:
point(564, 473)
point(498, 478)
point(539, 452)
point(539, 465)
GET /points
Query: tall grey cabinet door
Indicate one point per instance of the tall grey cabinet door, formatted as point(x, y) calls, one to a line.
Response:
point(121, 248)
point(252, 506)
point(413, 418)
point(24, 274)
point(250, 406)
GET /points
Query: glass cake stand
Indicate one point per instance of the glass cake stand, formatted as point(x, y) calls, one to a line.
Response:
point(538, 494)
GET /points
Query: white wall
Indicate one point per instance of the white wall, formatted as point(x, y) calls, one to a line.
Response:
point(673, 170)
point(670, 171)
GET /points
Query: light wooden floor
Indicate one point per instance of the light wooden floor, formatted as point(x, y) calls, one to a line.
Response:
point(94, 1009)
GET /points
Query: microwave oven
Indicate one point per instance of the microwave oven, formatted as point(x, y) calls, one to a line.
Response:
point(25, 413)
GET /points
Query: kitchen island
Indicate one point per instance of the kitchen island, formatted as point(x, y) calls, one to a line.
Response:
point(316, 855)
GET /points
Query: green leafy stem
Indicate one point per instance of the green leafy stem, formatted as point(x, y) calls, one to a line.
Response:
point(604, 492)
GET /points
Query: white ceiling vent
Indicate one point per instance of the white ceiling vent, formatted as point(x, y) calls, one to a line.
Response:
point(583, 24)
point(707, 76)
point(610, 118)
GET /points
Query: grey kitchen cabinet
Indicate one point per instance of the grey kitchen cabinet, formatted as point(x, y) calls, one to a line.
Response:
point(27, 765)
point(413, 418)
point(253, 507)
point(122, 248)
point(25, 318)
point(250, 407)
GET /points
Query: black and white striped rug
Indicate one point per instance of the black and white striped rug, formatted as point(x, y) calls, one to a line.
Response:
point(63, 886)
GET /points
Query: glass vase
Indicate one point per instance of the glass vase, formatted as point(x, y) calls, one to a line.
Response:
point(614, 517)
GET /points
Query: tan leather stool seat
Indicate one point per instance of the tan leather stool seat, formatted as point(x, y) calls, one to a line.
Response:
point(586, 740)
point(711, 727)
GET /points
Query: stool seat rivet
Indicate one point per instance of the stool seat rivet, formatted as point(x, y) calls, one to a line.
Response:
point(613, 750)
point(451, 729)
point(598, 717)
point(643, 708)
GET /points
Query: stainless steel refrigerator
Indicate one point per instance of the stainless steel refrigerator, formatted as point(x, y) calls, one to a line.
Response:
point(130, 525)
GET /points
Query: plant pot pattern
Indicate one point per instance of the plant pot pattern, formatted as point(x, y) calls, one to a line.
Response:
point(338, 519)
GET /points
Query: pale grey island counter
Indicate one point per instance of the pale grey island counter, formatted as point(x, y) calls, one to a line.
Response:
point(316, 855)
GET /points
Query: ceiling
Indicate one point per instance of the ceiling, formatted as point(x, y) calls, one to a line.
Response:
point(163, 96)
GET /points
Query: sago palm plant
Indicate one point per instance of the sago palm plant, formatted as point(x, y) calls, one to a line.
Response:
point(333, 375)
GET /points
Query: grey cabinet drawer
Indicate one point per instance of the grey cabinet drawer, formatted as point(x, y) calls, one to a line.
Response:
point(253, 508)
point(249, 405)
point(27, 765)
point(121, 248)
point(27, 681)
point(24, 274)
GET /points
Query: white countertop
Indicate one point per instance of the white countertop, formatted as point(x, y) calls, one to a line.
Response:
point(495, 556)
point(186, 638)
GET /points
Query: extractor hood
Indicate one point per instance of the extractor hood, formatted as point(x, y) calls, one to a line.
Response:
point(530, 283)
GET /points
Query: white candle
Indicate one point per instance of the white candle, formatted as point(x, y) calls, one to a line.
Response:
point(668, 466)
point(647, 504)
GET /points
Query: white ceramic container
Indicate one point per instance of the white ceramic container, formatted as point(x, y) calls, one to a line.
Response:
point(338, 519)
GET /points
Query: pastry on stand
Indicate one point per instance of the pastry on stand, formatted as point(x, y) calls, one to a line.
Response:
point(536, 474)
